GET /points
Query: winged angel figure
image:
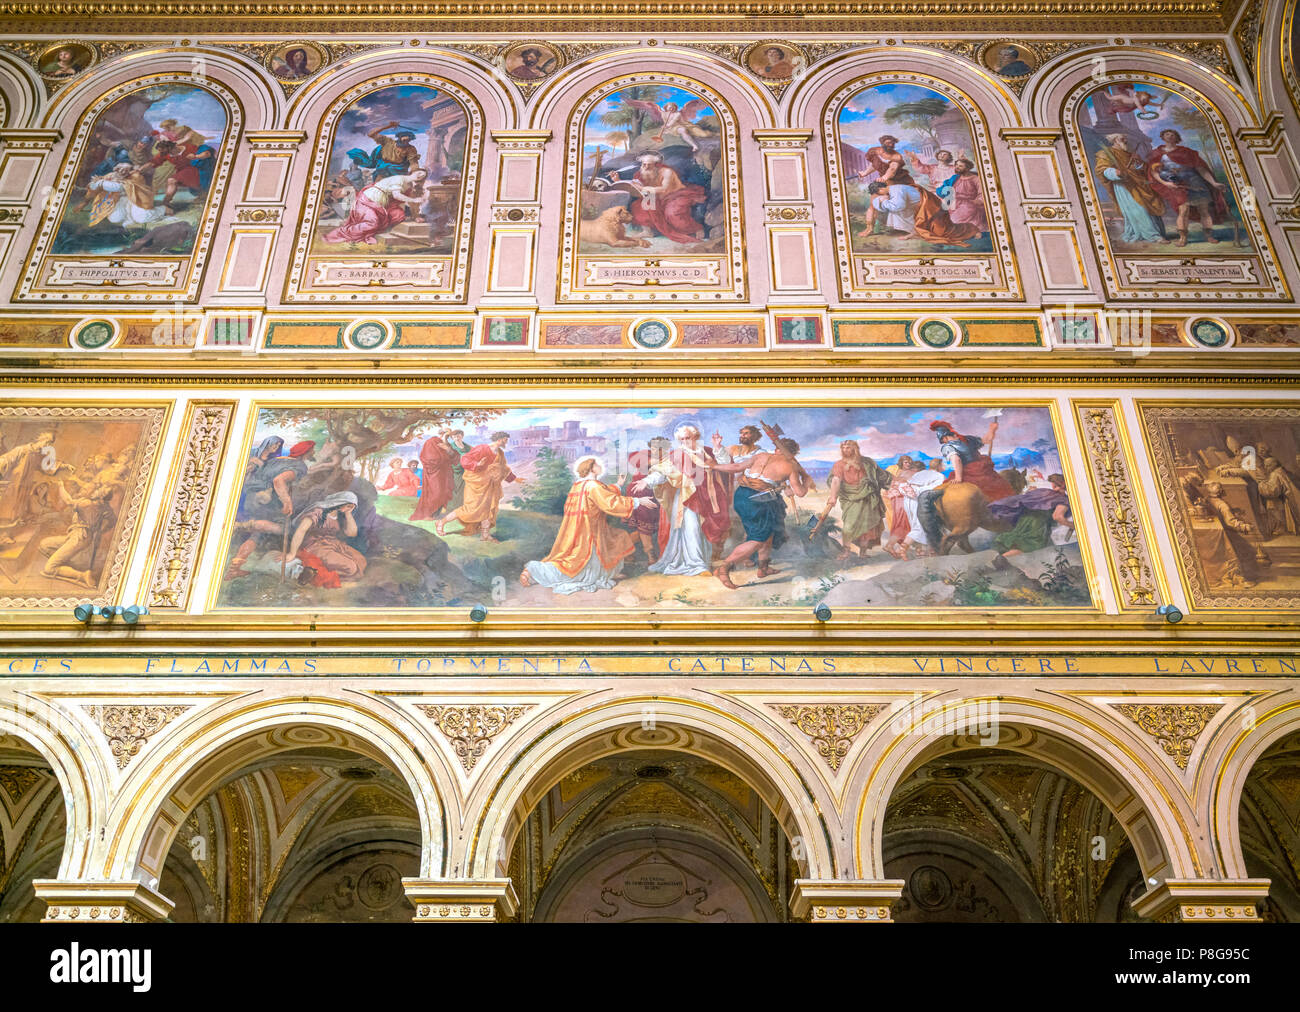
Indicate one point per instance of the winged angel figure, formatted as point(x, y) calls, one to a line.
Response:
point(673, 119)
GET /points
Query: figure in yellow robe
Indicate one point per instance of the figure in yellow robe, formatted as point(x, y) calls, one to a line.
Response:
point(588, 553)
point(486, 471)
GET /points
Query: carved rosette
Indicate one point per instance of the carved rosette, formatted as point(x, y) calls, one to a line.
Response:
point(1174, 726)
point(831, 727)
point(471, 728)
point(129, 728)
point(191, 503)
point(1126, 541)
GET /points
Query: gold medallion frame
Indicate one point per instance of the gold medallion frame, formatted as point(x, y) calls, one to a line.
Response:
point(569, 290)
point(31, 289)
point(457, 261)
point(1002, 256)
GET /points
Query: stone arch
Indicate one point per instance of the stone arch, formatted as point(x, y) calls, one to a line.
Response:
point(1138, 792)
point(511, 788)
point(21, 95)
point(169, 782)
point(78, 767)
point(1233, 757)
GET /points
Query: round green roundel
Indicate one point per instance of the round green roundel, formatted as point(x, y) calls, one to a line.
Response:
point(937, 334)
point(1209, 333)
point(93, 334)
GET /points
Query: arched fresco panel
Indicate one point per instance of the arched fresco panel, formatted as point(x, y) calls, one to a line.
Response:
point(390, 201)
point(652, 202)
point(914, 193)
point(1169, 207)
point(136, 202)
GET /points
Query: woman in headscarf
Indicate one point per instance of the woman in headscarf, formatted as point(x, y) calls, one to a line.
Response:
point(318, 540)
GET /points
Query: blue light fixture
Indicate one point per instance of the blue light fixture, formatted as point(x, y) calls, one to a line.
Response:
point(822, 613)
point(1170, 613)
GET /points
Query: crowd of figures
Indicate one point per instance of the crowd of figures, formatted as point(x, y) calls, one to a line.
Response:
point(691, 507)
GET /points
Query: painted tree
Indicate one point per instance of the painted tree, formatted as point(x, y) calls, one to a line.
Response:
point(548, 490)
point(627, 117)
point(1191, 123)
point(918, 116)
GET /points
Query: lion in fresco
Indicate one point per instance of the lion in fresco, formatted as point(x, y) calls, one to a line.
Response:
point(609, 228)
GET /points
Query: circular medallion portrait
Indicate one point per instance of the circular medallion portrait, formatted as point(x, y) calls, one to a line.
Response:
point(93, 334)
point(296, 61)
point(1209, 333)
point(532, 61)
point(652, 333)
point(65, 61)
point(367, 335)
point(1009, 59)
point(936, 333)
point(774, 61)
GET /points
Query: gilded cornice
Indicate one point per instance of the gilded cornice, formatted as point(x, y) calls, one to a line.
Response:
point(666, 15)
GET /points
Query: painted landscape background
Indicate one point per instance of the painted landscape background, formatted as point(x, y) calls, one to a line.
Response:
point(361, 452)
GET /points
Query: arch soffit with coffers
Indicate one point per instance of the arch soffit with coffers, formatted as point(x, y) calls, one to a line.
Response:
point(1072, 742)
point(515, 782)
point(198, 754)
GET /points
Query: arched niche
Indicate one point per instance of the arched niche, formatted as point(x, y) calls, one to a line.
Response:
point(136, 196)
point(374, 186)
point(1146, 208)
point(165, 786)
point(507, 795)
point(916, 238)
point(705, 225)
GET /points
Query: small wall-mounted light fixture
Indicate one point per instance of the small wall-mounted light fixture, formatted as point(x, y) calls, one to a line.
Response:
point(84, 612)
point(822, 613)
point(1170, 613)
point(478, 613)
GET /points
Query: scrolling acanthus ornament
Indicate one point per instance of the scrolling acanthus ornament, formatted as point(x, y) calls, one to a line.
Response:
point(470, 729)
point(129, 728)
point(1124, 534)
point(1175, 726)
point(190, 505)
point(831, 727)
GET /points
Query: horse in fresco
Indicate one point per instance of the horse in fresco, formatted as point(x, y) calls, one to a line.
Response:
point(961, 508)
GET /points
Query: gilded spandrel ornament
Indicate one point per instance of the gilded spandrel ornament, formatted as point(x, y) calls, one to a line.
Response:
point(128, 728)
point(470, 729)
point(1174, 726)
point(831, 727)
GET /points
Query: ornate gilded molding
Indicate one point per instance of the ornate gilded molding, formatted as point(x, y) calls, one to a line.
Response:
point(1246, 34)
point(1175, 726)
point(831, 727)
point(471, 728)
point(1129, 549)
point(262, 215)
point(16, 781)
point(190, 504)
point(128, 728)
